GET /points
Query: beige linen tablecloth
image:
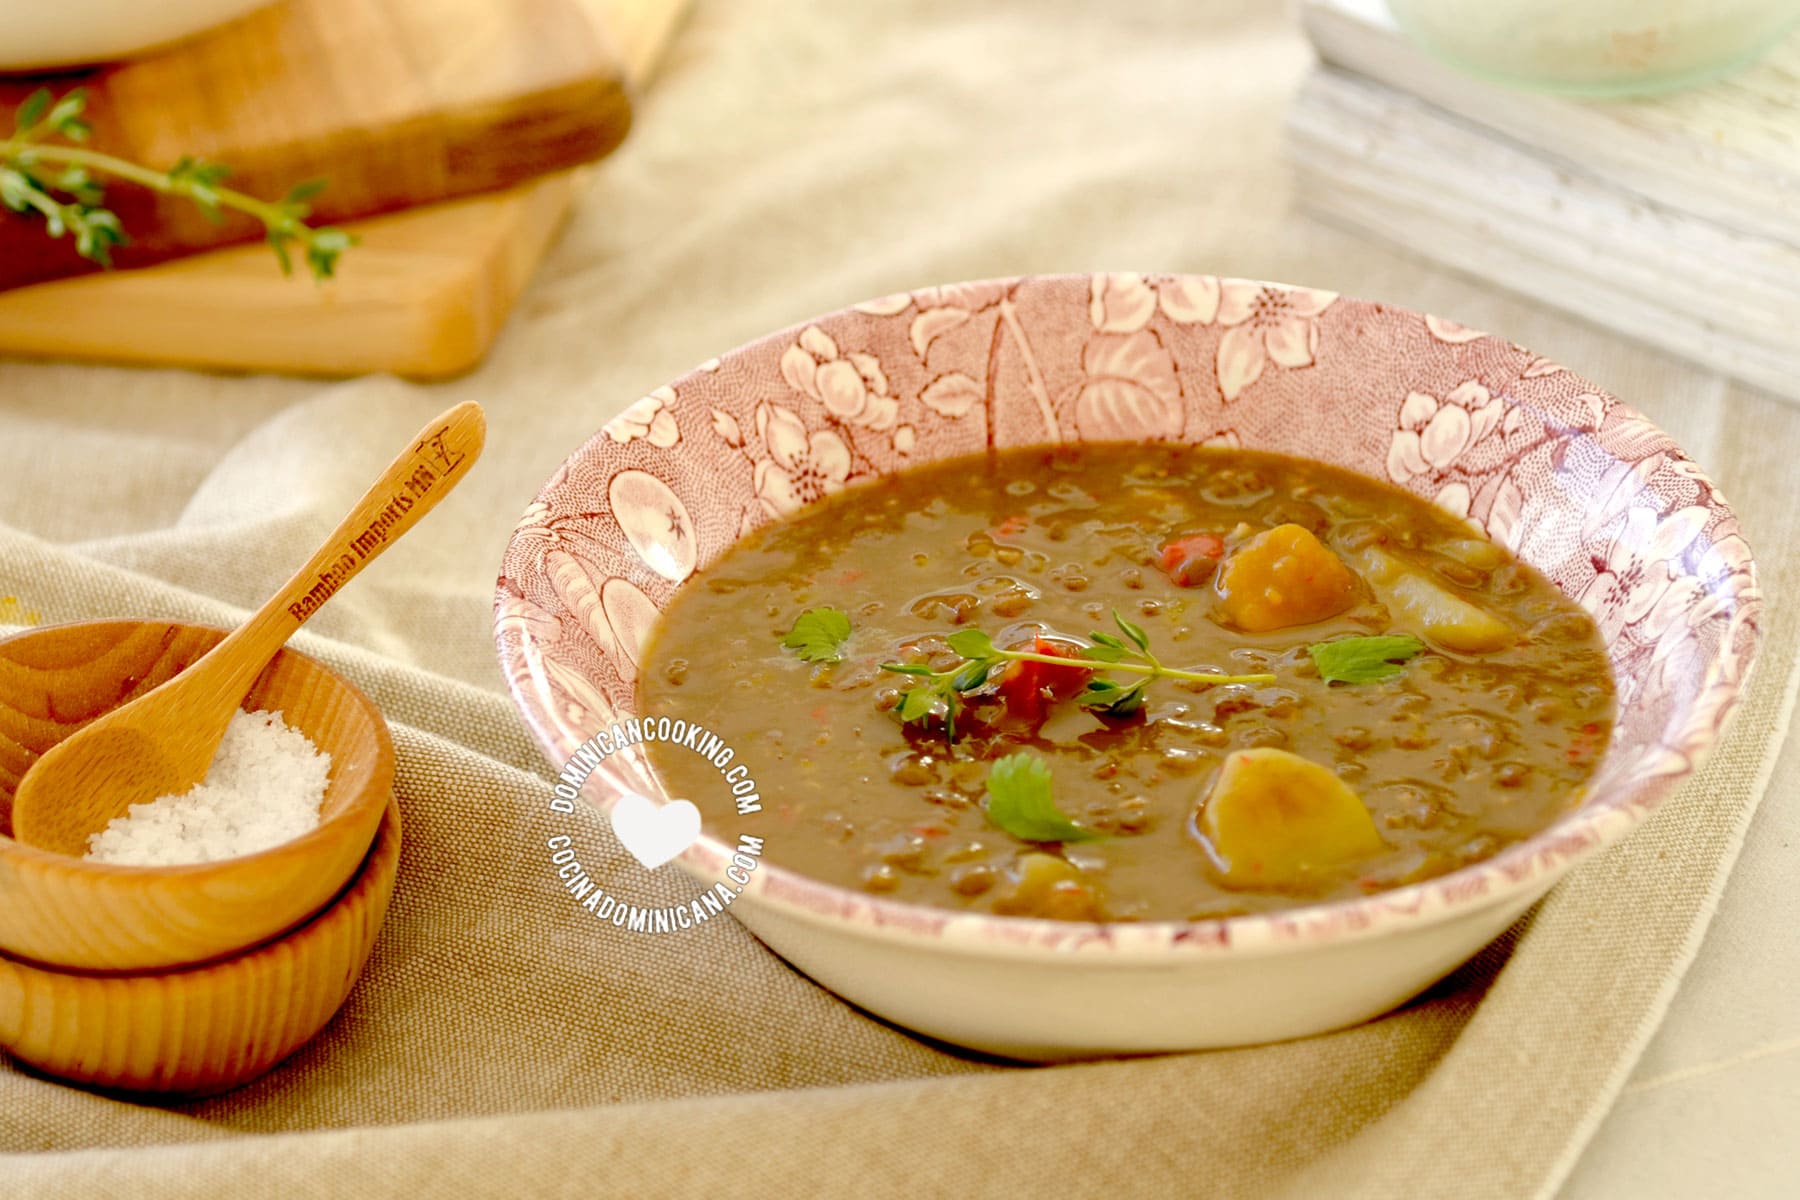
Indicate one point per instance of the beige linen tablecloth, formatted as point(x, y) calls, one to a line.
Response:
point(794, 158)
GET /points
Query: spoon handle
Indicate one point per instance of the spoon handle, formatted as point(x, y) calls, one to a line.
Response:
point(410, 487)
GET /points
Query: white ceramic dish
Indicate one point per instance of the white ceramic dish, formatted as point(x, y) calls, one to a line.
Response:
point(40, 36)
point(1573, 481)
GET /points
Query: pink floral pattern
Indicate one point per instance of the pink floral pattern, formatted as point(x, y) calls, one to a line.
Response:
point(1262, 323)
point(1574, 481)
point(1640, 562)
point(651, 418)
point(1266, 323)
point(1128, 389)
point(1435, 433)
point(1125, 303)
point(1446, 330)
point(852, 387)
point(801, 466)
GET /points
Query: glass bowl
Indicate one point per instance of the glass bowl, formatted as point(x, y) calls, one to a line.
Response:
point(1597, 47)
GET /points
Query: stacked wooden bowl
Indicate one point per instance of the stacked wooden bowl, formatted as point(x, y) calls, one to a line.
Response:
point(185, 979)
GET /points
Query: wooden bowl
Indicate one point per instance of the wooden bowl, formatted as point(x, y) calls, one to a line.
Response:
point(66, 912)
point(201, 1029)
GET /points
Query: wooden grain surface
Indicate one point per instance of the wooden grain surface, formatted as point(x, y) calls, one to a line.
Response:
point(1728, 150)
point(423, 294)
point(396, 102)
point(207, 1029)
point(78, 915)
point(1371, 158)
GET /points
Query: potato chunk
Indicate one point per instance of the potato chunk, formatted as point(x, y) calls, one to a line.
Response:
point(1275, 819)
point(1419, 602)
point(1477, 552)
point(1284, 576)
point(1047, 886)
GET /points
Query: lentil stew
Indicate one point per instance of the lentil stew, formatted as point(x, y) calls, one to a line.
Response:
point(1125, 682)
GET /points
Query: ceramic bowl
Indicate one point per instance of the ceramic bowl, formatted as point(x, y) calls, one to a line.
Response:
point(1569, 478)
point(38, 37)
point(66, 912)
point(203, 1029)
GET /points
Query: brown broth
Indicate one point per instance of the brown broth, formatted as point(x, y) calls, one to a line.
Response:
point(1456, 757)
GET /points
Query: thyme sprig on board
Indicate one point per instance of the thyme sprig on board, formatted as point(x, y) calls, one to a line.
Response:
point(47, 172)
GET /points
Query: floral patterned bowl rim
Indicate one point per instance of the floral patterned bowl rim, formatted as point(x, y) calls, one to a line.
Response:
point(1570, 478)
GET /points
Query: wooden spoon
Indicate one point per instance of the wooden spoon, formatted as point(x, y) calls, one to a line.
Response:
point(164, 741)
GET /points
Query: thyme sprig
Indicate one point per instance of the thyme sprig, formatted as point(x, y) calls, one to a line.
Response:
point(59, 182)
point(941, 693)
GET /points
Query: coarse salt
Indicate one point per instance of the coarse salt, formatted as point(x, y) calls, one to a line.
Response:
point(264, 788)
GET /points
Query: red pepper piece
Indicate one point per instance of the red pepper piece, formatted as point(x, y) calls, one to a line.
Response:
point(1028, 688)
point(1191, 560)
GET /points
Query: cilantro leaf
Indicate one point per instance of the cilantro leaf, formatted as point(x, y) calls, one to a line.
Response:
point(818, 635)
point(1019, 801)
point(1364, 659)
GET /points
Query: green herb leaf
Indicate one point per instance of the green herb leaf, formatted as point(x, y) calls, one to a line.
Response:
point(197, 173)
point(31, 110)
point(278, 242)
point(73, 203)
point(97, 231)
point(971, 677)
point(1099, 693)
point(916, 704)
point(971, 643)
point(200, 181)
point(818, 635)
point(1364, 659)
point(1131, 631)
point(15, 190)
point(981, 659)
point(1113, 699)
point(324, 250)
point(1020, 802)
point(67, 114)
point(302, 192)
point(78, 183)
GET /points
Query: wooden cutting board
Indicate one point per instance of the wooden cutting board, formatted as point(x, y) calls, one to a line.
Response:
point(395, 102)
point(423, 293)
